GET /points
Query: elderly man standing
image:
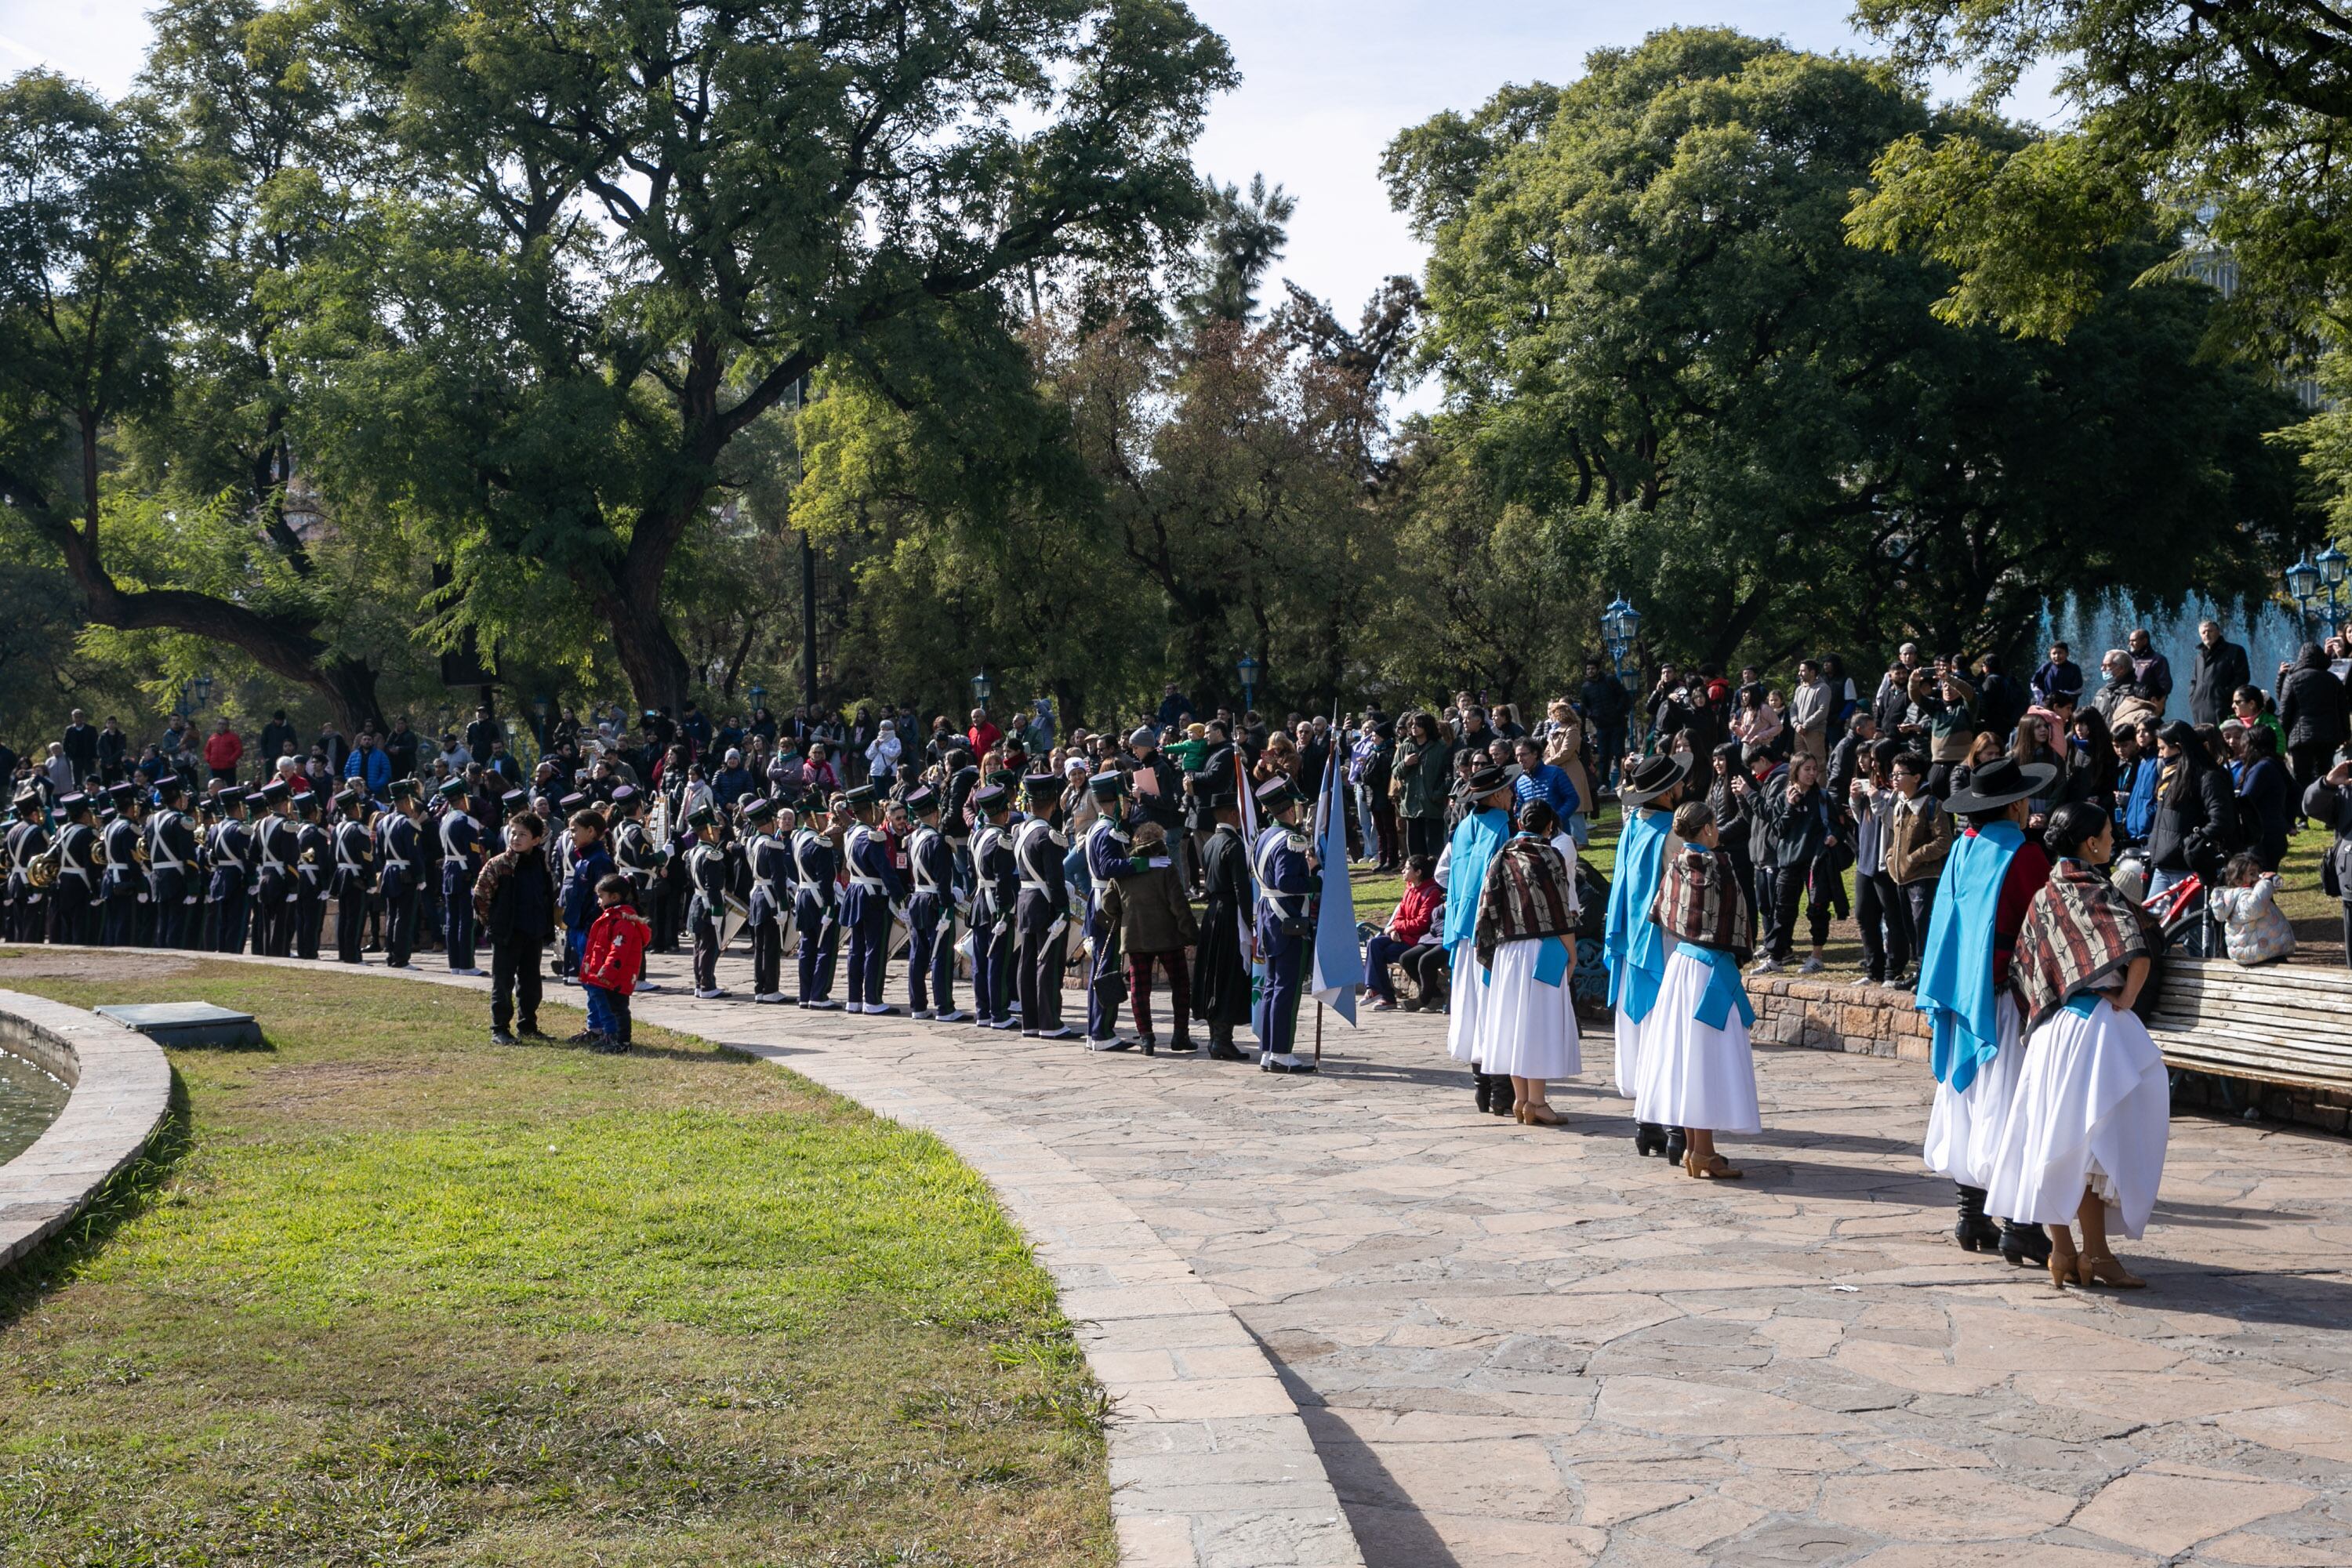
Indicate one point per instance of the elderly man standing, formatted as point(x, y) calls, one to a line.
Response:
point(2151, 670)
point(1811, 708)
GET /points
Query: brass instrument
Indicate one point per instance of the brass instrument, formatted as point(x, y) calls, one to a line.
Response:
point(44, 869)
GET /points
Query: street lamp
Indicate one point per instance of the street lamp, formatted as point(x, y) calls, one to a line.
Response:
point(1621, 626)
point(2303, 586)
point(2331, 563)
point(203, 691)
point(758, 696)
point(1247, 667)
point(980, 686)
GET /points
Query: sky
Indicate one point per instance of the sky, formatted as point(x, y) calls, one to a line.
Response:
point(1326, 83)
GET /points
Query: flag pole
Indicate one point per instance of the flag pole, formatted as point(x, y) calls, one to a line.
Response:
point(1318, 1032)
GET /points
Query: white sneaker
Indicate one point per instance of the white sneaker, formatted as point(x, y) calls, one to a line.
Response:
point(1765, 966)
point(1811, 966)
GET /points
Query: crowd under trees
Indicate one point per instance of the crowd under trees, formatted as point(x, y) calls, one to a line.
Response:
point(370, 345)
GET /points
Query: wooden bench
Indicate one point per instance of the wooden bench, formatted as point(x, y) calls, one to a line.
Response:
point(2278, 1023)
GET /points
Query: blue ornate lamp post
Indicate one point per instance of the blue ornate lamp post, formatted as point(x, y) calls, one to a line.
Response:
point(1621, 626)
point(980, 686)
point(1247, 666)
point(2301, 586)
point(2331, 562)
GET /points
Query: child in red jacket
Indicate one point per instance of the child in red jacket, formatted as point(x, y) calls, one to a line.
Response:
point(612, 961)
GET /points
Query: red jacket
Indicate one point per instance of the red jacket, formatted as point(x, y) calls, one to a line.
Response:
point(222, 749)
point(1417, 911)
point(617, 945)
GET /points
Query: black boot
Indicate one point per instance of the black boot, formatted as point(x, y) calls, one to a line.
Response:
point(1220, 1044)
point(1677, 1143)
point(1649, 1138)
point(1971, 1229)
point(1505, 1100)
point(2025, 1246)
point(1482, 1088)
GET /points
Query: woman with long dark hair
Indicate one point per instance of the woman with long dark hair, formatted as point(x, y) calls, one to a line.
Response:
point(2196, 823)
point(2085, 1137)
point(1526, 940)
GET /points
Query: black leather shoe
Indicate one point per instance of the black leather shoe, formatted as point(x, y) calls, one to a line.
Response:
point(1971, 1229)
point(1649, 1138)
point(2024, 1246)
point(1482, 1088)
point(1677, 1144)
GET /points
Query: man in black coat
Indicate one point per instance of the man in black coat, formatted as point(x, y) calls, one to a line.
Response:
point(2312, 707)
point(2220, 669)
point(515, 900)
point(1221, 977)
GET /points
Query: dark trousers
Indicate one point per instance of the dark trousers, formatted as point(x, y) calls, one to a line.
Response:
point(1384, 828)
point(1424, 835)
point(2309, 761)
point(514, 982)
point(121, 926)
point(228, 918)
point(399, 925)
point(1791, 884)
point(1274, 1019)
point(616, 1012)
point(870, 952)
point(1380, 950)
point(1140, 966)
point(73, 912)
point(1919, 898)
point(273, 916)
point(820, 942)
point(1428, 967)
point(768, 957)
point(1038, 955)
point(457, 921)
point(350, 927)
point(1105, 978)
point(1884, 915)
point(310, 919)
point(1767, 904)
point(992, 971)
point(705, 929)
point(930, 952)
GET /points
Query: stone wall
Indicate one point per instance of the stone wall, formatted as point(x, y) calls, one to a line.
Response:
point(122, 1090)
point(1867, 1020)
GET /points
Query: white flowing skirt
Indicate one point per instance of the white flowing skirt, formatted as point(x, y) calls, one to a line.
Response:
point(1964, 1130)
point(1629, 1035)
point(2094, 1110)
point(1469, 999)
point(1527, 1028)
point(1690, 1075)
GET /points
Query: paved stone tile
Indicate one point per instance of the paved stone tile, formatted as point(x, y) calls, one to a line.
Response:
point(1508, 1345)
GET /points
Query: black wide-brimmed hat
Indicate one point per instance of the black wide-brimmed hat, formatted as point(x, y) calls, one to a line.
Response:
point(1653, 778)
point(2002, 782)
point(1483, 783)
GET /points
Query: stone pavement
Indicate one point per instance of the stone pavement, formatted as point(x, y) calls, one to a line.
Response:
point(1525, 1345)
point(1517, 1345)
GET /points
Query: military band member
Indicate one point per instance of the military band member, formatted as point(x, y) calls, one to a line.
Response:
point(769, 857)
point(123, 884)
point(876, 891)
point(314, 862)
point(637, 856)
point(930, 913)
point(73, 900)
point(274, 845)
point(1111, 856)
point(1042, 915)
point(461, 863)
point(1221, 980)
point(815, 902)
point(402, 835)
point(1284, 861)
point(27, 910)
point(354, 874)
point(174, 883)
point(996, 891)
point(230, 852)
point(706, 874)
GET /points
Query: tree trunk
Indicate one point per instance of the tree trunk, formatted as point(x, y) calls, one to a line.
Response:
point(649, 655)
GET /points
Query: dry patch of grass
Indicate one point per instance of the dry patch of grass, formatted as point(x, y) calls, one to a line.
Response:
point(404, 1296)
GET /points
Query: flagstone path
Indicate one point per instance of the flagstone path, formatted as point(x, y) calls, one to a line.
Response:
point(1513, 1345)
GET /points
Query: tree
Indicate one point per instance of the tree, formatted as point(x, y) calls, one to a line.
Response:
point(1651, 324)
point(113, 238)
point(685, 209)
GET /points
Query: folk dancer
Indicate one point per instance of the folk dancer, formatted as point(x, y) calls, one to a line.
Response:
point(817, 902)
point(1634, 946)
point(1526, 948)
point(314, 861)
point(706, 874)
point(1989, 882)
point(276, 845)
point(461, 864)
point(1110, 857)
point(1284, 861)
point(1698, 1069)
point(930, 913)
point(2085, 1137)
point(1042, 915)
point(353, 883)
point(28, 838)
point(996, 891)
point(123, 884)
point(73, 900)
point(771, 859)
point(172, 879)
point(401, 837)
point(1478, 837)
point(1220, 979)
point(876, 892)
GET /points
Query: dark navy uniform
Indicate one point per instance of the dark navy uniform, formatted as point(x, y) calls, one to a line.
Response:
point(399, 849)
point(175, 883)
point(930, 925)
point(27, 910)
point(815, 915)
point(996, 891)
point(314, 859)
point(230, 848)
point(771, 861)
point(74, 901)
point(123, 885)
point(705, 875)
point(1110, 855)
point(1040, 916)
point(461, 862)
point(875, 890)
point(1286, 914)
point(353, 880)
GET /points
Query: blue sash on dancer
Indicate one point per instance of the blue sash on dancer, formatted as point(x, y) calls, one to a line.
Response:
point(1955, 989)
point(1635, 948)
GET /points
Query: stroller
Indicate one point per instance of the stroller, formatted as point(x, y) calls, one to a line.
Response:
point(2180, 911)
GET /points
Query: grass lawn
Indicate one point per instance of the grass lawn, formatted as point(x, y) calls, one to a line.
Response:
point(392, 1294)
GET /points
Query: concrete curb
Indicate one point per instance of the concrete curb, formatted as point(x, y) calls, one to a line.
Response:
point(1211, 1463)
point(121, 1092)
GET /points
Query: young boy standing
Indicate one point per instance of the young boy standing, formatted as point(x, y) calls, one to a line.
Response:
point(615, 950)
